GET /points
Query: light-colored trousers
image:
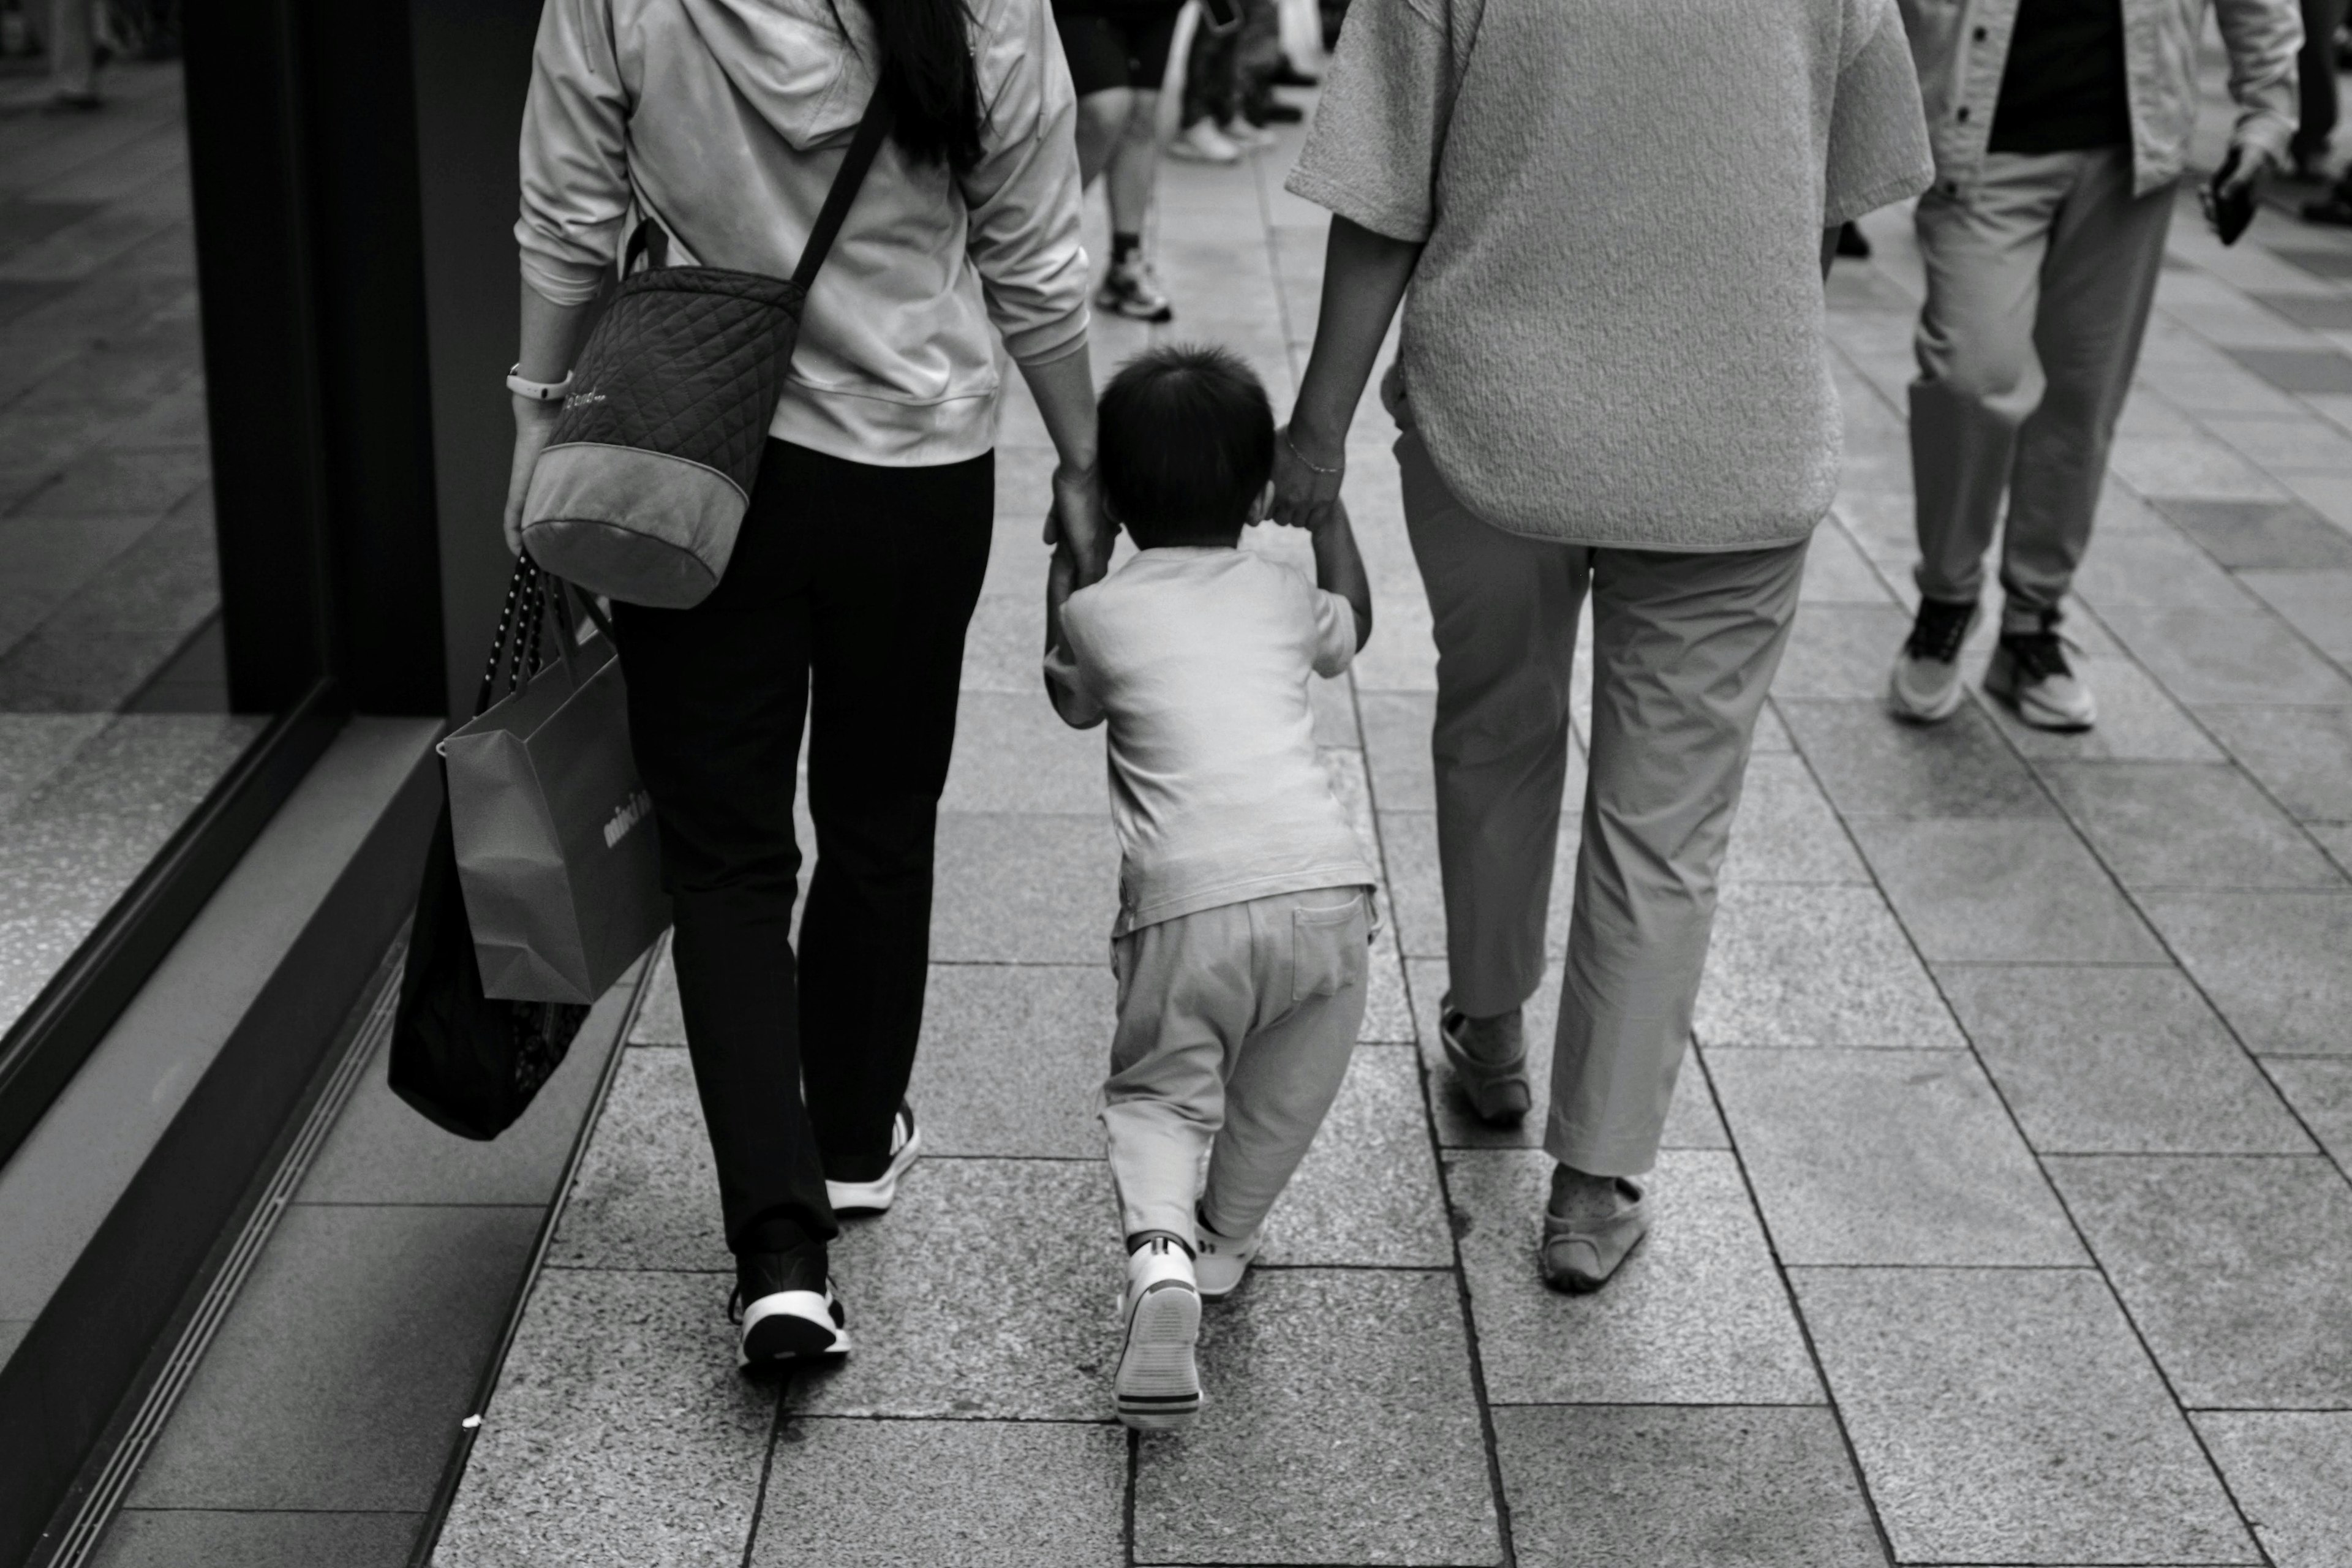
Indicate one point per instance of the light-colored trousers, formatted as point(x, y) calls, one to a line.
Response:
point(2050, 263)
point(1235, 1025)
point(1684, 649)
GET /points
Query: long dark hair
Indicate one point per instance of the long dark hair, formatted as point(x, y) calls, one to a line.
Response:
point(927, 73)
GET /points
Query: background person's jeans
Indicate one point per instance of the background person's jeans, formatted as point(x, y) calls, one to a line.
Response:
point(1234, 74)
point(860, 580)
point(2051, 263)
point(1685, 646)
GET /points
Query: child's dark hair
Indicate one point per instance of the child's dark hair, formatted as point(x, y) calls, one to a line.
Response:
point(1187, 442)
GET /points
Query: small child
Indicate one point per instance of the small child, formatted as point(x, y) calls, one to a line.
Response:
point(1245, 896)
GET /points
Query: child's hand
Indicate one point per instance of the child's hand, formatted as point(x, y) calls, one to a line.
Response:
point(1076, 523)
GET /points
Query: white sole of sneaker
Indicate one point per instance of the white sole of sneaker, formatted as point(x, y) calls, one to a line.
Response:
point(1158, 1386)
point(790, 1325)
point(877, 1195)
point(2035, 714)
point(1930, 712)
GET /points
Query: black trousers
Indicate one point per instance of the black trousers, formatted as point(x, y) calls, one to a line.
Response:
point(857, 581)
point(2316, 69)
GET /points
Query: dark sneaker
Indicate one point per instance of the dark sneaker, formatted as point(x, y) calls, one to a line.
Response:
point(1926, 685)
point(2028, 671)
point(875, 1196)
point(785, 1304)
point(1158, 1386)
point(1133, 289)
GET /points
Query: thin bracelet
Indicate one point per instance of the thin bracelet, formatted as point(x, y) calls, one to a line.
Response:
point(1310, 462)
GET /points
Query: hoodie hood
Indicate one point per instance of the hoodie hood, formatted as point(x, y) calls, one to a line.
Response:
point(785, 56)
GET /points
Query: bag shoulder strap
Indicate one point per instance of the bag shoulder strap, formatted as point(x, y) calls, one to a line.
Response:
point(868, 142)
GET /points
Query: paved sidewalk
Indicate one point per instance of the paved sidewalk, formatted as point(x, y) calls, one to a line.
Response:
point(2004, 1213)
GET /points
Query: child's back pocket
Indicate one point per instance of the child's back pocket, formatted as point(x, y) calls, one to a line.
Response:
point(1327, 948)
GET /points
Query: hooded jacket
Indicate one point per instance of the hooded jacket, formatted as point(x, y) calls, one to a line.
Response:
point(1961, 47)
point(726, 120)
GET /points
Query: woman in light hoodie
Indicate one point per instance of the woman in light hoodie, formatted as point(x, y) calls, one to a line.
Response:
point(861, 557)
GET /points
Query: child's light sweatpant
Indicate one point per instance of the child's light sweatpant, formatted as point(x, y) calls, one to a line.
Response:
point(1235, 1028)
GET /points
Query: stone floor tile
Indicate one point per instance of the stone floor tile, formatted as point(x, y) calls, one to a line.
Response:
point(1695, 1315)
point(1837, 572)
point(2010, 1415)
point(1686, 1487)
point(1024, 889)
point(1011, 1058)
point(2273, 962)
point(977, 1494)
point(2292, 1472)
point(1786, 831)
point(2162, 824)
point(204, 1537)
point(646, 1195)
point(2215, 657)
point(1002, 644)
point(2302, 756)
point(2137, 721)
point(661, 1018)
point(2320, 1090)
point(2111, 1060)
point(2243, 535)
point(1339, 1426)
point(1771, 735)
point(620, 1433)
point(2156, 565)
point(360, 1330)
point(1840, 651)
point(2003, 891)
point(1887, 1157)
point(1874, 765)
point(1691, 1119)
point(1367, 1196)
point(2335, 838)
point(1013, 754)
point(2192, 466)
point(988, 1290)
point(2238, 1270)
point(1815, 966)
point(2317, 604)
point(2298, 370)
point(1396, 747)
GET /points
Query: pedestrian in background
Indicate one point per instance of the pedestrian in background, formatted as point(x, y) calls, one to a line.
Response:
point(2060, 129)
point(73, 55)
point(1229, 81)
point(1118, 52)
point(2316, 86)
point(1613, 380)
point(861, 554)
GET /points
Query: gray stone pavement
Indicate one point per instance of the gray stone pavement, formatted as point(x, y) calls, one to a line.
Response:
point(2004, 1215)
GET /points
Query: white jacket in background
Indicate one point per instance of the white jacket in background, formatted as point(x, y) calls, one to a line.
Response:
point(727, 118)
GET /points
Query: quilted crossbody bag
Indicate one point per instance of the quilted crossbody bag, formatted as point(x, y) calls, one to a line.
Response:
point(641, 489)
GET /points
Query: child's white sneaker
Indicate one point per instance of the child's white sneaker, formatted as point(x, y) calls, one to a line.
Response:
point(1220, 1260)
point(1159, 1387)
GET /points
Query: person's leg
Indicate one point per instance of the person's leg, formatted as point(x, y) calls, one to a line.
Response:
point(1103, 116)
point(1982, 250)
point(1258, 58)
point(73, 53)
point(896, 558)
point(1503, 609)
point(716, 695)
point(1309, 959)
point(1184, 1004)
point(1208, 78)
point(2098, 283)
point(1134, 160)
point(2316, 72)
point(1684, 650)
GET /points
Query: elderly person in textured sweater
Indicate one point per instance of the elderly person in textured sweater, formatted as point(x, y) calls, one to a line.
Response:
point(1612, 381)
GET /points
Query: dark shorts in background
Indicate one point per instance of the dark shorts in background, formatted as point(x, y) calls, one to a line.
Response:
point(1117, 43)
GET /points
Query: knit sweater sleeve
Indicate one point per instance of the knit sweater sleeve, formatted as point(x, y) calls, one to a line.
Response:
point(575, 167)
point(1023, 195)
point(1373, 155)
point(1878, 150)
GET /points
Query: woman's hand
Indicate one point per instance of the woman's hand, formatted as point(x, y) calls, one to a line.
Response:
point(1077, 520)
point(534, 421)
point(1307, 471)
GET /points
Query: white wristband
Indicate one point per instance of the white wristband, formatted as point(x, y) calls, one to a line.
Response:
point(538, 391)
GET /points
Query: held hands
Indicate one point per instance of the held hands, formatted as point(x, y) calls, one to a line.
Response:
point(1308, 469)
point(534, 421)
point(1077, 521)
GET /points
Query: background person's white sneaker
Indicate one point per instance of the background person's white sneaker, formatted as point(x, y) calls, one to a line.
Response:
point(1158, 1386)
point(877, 1195)
point(2028, 671)
point(1202, 142)
point(1242, 133)
point(1925, 684)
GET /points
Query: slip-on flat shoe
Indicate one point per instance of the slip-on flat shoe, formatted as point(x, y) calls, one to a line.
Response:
point(1579, 1255)
point(1497, 1091)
